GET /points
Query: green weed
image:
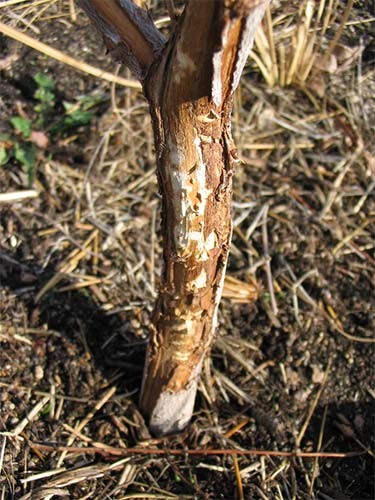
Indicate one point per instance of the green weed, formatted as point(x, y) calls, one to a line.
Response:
point(49, 118)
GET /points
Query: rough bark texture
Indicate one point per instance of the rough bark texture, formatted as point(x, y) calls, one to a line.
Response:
point(128, 32)
point(189, 85)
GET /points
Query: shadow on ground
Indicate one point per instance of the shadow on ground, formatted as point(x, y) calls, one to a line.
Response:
point(75, 318)
point(346, 427)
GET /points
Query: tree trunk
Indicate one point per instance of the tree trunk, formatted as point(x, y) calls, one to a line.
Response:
point(189, 83)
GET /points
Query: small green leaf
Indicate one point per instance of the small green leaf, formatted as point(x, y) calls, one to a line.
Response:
point(71, 120)
point(26, 155)
point(90, 101)
point(22, 125)
point(45, 94)
point(68, 106)
point(46, 410)
point(3, 156)
point(44, 81)
point(46, 98)
point(77, 118)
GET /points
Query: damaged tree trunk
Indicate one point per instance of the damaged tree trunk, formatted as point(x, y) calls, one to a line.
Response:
point(189, 82)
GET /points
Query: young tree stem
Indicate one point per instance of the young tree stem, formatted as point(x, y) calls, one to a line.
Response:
point(189, 84)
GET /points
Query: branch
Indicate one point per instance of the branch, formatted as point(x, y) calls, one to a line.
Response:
point(128, 31)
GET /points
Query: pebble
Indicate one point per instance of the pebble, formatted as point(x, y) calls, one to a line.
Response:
point(39, 372)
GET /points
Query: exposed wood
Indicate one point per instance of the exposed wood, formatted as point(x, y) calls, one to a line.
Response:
point(189, 87)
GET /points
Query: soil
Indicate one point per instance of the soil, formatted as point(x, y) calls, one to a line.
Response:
point(79, 267)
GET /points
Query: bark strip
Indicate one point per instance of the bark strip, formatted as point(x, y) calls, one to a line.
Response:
point(189, 87)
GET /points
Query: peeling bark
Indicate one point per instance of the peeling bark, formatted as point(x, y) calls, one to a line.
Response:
point(189, 84)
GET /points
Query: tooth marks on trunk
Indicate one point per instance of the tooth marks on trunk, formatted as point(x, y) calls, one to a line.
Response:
point(191, 196)
point(200, 281)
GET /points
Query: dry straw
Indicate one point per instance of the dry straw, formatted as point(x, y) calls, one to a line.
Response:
point(288, 52)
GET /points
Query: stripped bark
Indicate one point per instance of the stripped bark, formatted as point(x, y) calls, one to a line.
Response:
point(189, 83)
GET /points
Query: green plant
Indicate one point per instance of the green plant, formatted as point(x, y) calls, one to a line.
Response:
point(19, 147)
point(21, 144)
point(73, 116)
point(45, 94)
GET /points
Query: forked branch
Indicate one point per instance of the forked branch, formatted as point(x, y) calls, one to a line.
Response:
point(189, 83)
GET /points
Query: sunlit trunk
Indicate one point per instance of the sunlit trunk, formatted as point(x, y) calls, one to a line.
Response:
point(189, 84)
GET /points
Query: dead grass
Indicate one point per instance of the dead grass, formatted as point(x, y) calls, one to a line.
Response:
point(79, 264)
point(292, 48)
